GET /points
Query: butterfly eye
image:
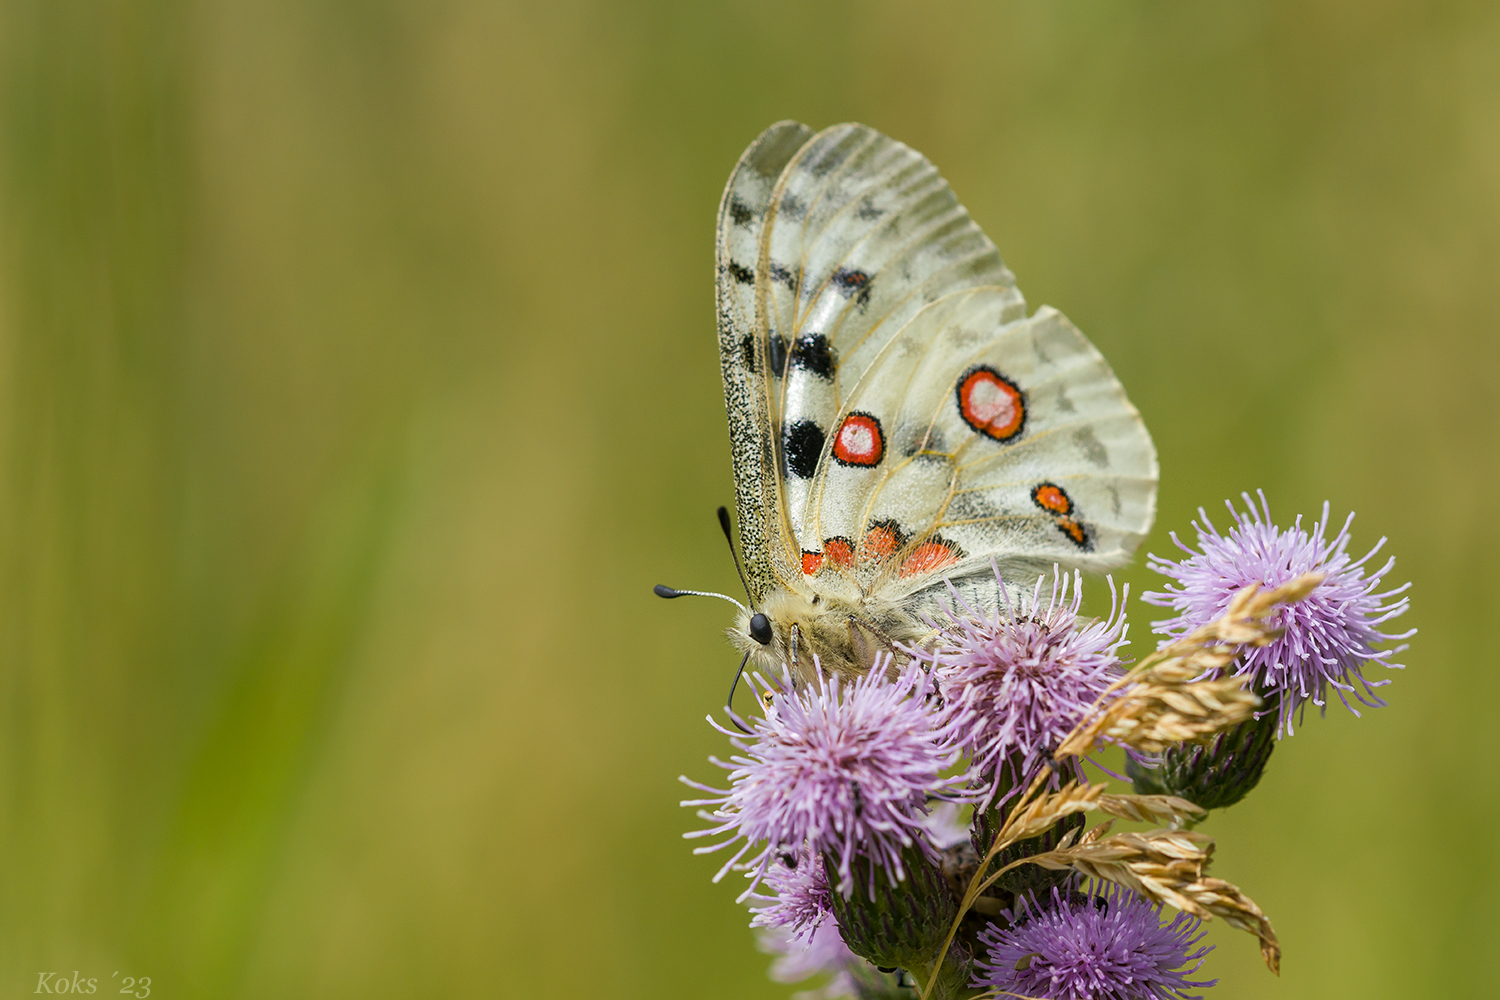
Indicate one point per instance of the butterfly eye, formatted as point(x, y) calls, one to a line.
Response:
point(760, 628)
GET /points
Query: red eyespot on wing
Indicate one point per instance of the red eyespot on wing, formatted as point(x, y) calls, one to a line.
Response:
point(839, 552)
point(883, 540)
point(1055, 500)
point(1052, 498)
point(859, 441)
point(929, 557)
point(1075, 531)
point(991, 403)
point(811, 563)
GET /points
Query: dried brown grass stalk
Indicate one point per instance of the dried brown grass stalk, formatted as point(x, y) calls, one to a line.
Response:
point(1152, 717)
point(1038, 815)
point(1035, 812)
point(1163, 865)
point(1167, 866)
point(1162, 703)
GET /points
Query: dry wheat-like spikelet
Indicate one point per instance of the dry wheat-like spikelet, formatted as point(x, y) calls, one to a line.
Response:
point(1151, 716)
point(1166, 866)
point(1163, 702)
point(1040, 814)
point(1151, 808)
point(1036, 814)
point(1224, 900)
point(1163, 865)
point(1215, 644)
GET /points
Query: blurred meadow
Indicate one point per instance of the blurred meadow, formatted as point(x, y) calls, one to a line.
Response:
point(358, 379)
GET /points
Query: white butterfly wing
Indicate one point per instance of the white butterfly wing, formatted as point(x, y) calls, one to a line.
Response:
point(751, 381)
point(915, 424)
point(1010, 441)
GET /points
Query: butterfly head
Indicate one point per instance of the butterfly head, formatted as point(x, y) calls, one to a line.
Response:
point(832, 633)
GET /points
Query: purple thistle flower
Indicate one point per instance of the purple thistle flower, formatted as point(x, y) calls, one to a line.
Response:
point(1014, 684)
point(801, 897)
point(945, 829)
point(1330, 634)
point(824, 951)
point(844, 768)
point(1081, 950)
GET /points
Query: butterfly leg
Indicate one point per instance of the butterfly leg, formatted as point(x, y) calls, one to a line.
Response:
point(796, 635)
point(868, 642)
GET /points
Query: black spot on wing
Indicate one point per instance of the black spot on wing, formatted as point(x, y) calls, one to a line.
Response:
point(971, 506)
point(747, 351)
point(780, 272)
point(792, 207)
point(777, 352)
point(740, 212)
point(812, 353)
point(851, 282)
point(803, 444)
point(867, 212)
point(741, 273)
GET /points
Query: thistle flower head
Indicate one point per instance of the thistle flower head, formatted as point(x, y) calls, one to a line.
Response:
point(1112, 946)
point(822, 952)
point(800, 896)
point(1330, 635)
point(844, 769)
point(1015, 682)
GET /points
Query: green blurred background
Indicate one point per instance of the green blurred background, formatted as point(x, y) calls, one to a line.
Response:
point(358, 378)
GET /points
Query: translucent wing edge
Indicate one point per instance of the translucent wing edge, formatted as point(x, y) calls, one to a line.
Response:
point(744, 362)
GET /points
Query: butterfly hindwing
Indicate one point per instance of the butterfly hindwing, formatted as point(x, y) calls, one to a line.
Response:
point(999, 440)
point(1062, 472)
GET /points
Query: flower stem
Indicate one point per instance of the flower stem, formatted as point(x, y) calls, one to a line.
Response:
point(950, 981)
point(1003, 839)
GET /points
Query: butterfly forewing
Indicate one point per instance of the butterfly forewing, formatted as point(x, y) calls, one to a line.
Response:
point(751, 371)
point(861, 233)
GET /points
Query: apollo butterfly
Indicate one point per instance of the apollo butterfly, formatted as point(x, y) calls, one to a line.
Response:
point(898, 422)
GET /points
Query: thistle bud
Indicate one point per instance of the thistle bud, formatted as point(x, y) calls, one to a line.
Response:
point(1217, 774)
point(901, 925)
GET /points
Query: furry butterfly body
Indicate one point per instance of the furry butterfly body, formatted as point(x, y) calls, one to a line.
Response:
point(898, 423)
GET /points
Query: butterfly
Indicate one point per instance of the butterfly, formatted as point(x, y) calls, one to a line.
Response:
point(901, 429)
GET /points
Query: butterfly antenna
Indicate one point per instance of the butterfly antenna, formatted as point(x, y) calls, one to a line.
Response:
point(729, 537)
point(662, 590)
point(729, 702)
